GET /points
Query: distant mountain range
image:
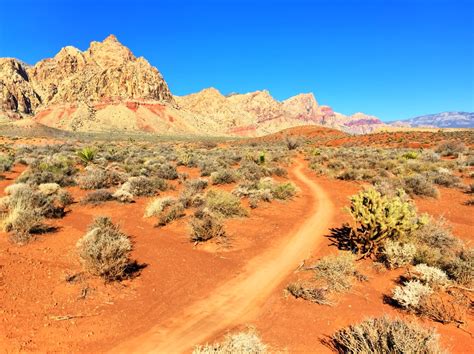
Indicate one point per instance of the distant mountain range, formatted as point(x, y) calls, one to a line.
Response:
point(439, 120)
point(107, 88)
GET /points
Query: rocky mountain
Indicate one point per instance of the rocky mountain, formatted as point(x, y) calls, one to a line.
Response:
point(440, 120)
point(106, 87)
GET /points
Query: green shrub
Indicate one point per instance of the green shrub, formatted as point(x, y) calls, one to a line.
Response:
point(384, 335)
point(105, 250)
point(410, 155)
point(87, 155)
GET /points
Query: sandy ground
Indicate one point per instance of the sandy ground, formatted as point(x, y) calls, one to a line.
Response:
point(189, 295)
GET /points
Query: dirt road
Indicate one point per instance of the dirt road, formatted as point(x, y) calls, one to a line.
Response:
point(239, 300)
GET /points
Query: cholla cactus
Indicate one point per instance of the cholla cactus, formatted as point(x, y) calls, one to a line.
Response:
point(379, 218)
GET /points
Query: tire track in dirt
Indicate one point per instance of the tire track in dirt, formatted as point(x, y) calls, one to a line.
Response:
point(240, 299)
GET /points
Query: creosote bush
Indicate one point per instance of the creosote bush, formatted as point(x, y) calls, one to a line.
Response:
point(105, 250)
point(385, 335)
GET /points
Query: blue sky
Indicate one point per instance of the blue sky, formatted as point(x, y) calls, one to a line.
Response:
point(393, 59)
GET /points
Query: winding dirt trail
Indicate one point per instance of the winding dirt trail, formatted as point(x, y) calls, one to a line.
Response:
point(238, 300)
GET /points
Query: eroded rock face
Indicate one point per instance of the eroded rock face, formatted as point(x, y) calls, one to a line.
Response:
point(106, 71)
point(17, 96)
point(107, 88)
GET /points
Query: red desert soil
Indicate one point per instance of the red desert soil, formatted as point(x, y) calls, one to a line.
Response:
point(189, 295)
point(240, 298)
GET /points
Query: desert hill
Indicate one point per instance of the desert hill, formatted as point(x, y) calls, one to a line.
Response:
point(107, 87)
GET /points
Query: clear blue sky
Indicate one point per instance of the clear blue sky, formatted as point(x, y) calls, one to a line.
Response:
point(394, 59)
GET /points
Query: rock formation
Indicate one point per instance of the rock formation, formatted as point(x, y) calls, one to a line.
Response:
point(107, 87)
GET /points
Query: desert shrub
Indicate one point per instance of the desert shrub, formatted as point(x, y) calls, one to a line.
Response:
point(446, 179)
point(431, 276)
point(170, 213)
point(385, 335)
point(47, 199)
point(123, 196)
point(239, 343)
point(379, 218)
point(419, 185)
point(395, 254)
point(451, 148)
point(196, 185)
point(292, 143)
point(167, 171)
point(105, 250)
point(143, 186)
point(279, 171)
point(224, 203)
point(86, 155)
point(283, 191)
point(157, 205)
point(308, 292)
point(437, 234)
point(97, 197)
point(58, 170)
point(461, 267)
point(410, 155)
point(223, 176)
point(22, 221)
point(337, 271)
point(411, 294)
point(207, 227)
point(94, 178)
point(443, 308)
point(6, 163)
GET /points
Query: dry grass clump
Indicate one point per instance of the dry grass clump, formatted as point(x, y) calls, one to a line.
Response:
point(26, 207)
point(334, 273)
point(224, 203)
point(170, 213)
point(157, 205)
point(247, 342)
point(309, 292)
point(105, 250)
point(337, 271)
point(22, 221)
point(385, 335)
